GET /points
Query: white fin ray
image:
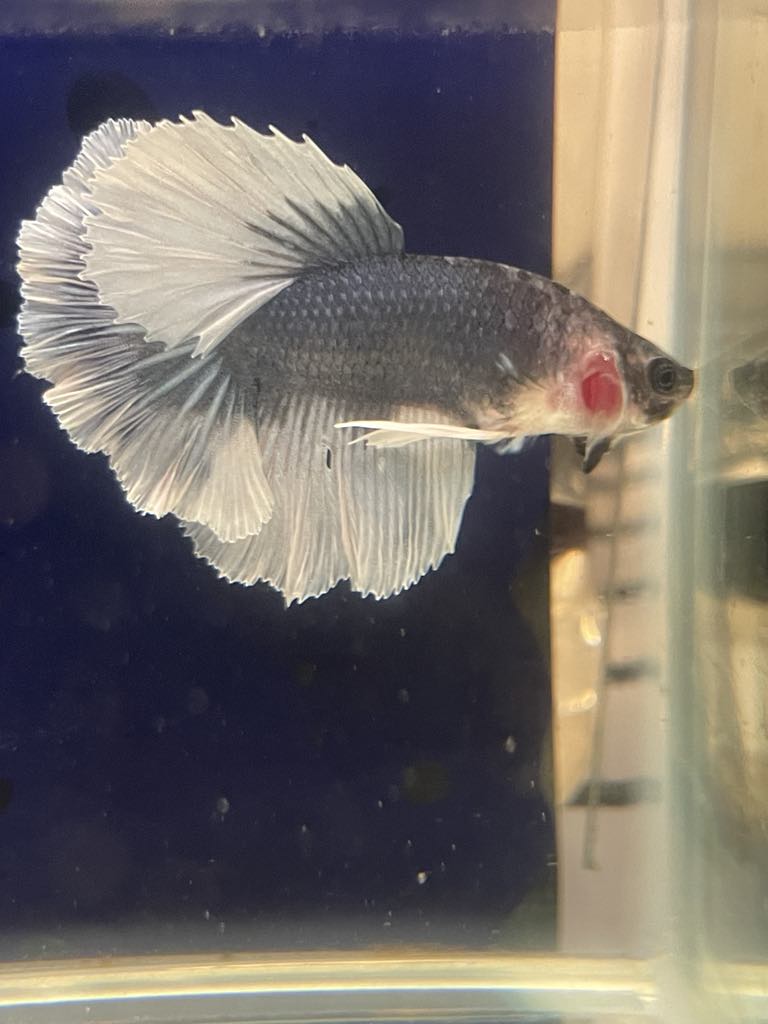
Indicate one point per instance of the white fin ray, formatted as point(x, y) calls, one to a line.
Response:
point(51, 246)
point(178, 432)
point(513, 445)
point(396, 433)
point(380, 518)
point(300, 550)
point(199, 224)
point(404, 511)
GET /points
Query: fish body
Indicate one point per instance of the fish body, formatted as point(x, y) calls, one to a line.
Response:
point(303, 395)
point(481, 344)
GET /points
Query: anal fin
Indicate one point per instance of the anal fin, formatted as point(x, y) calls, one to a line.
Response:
point(380, 517)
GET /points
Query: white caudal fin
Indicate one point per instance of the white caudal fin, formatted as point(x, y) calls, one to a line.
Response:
point(179, 431)
point(199, 224)
point(380, 518)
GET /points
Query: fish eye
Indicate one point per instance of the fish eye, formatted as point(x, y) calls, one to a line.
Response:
point(663, 376)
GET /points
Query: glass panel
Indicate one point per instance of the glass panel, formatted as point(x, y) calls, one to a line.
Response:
point(189, 765)
point(723, 664)
point(660, 218)
point(354, 810)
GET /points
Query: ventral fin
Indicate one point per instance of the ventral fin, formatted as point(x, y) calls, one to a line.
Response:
point(378, 517)
point(396, 433)
point(199, 224)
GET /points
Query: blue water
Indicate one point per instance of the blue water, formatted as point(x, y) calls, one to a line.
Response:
point(176, 750)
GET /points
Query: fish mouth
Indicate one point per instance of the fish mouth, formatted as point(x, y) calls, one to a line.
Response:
point(686, 382)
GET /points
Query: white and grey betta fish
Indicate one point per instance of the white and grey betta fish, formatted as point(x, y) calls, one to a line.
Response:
point(228, 314)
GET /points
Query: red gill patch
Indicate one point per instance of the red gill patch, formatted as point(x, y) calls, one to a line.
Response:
point(601, 389)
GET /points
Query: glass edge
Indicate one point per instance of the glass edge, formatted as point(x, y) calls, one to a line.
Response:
point(454, 985)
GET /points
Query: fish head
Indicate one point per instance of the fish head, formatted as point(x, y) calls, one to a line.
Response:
point(655, 383)
point(622, 383)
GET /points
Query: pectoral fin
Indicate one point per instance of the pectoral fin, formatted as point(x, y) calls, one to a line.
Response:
point(592, 451)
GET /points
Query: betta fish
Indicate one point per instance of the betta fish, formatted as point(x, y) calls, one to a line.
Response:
point(232, 319)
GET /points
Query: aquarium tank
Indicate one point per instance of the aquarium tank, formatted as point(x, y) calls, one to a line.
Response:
point(520, 776)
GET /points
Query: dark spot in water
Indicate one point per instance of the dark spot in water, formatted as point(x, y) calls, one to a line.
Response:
point(568, 525)
point(426, 782)
point(384, 194)
point(619, 793)
point(96, 96)
point(6, 793)
point(750, 382)
point(198, 701)
point(630, 671)
point(328, 458)
point(25, 484)
point(10, 302)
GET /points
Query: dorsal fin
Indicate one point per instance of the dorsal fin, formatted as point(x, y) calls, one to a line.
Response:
point(198, 224)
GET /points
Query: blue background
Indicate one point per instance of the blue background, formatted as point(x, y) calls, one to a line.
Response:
point(184, 754)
